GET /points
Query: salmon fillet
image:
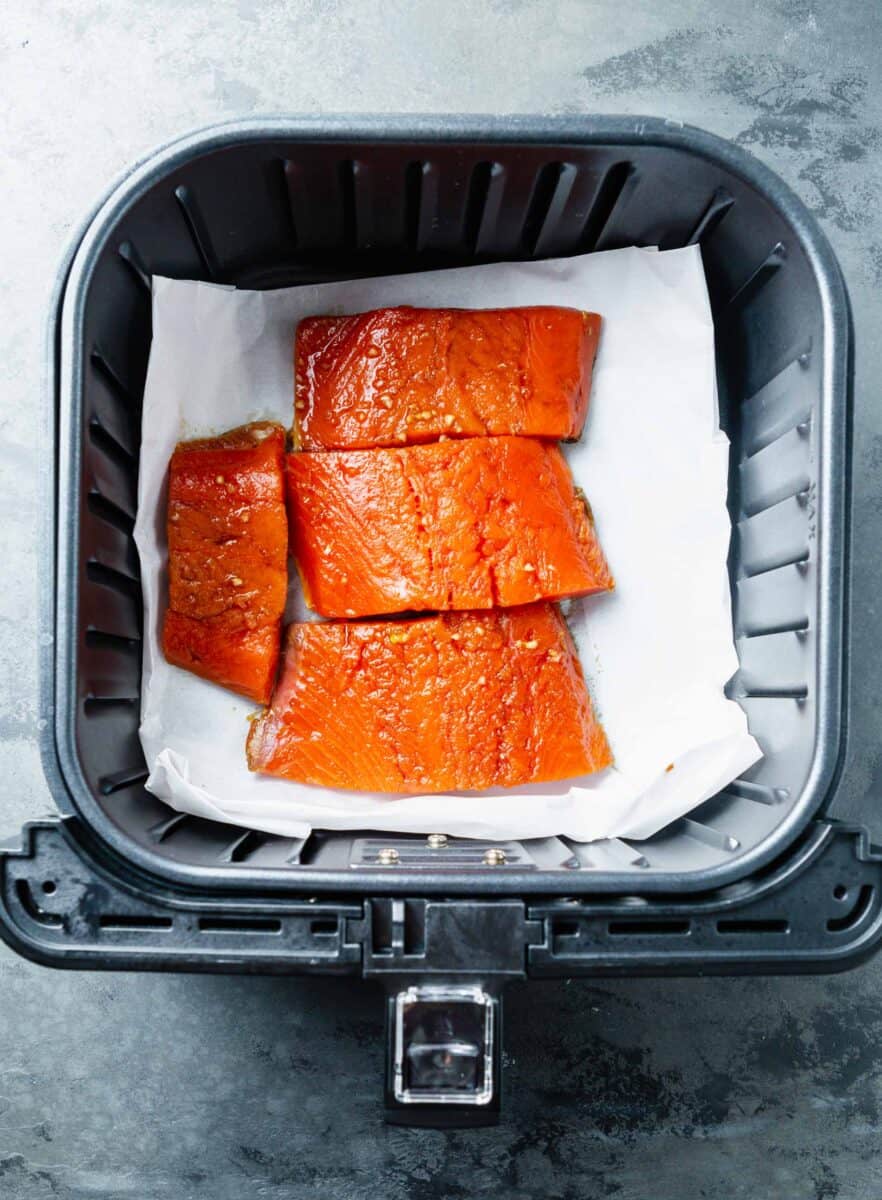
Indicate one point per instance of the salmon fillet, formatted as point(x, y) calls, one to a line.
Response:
point(399, 376)
point(227, 558)
point(478, 523)
point(441, 703)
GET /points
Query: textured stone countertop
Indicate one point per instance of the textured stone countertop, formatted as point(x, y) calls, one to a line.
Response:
point(161, 1086)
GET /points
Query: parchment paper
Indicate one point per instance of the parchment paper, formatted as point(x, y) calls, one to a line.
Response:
point(653, 463)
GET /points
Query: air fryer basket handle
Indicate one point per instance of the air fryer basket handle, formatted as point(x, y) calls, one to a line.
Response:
point(443, 965)
point(443, 1055)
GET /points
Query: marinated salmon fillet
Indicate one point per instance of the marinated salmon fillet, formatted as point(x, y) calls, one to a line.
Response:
point(472, 524)
point(441, 703)
point(399, 376)
point(227, 558)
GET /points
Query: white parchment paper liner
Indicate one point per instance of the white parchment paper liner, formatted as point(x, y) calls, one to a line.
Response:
point(653, 463)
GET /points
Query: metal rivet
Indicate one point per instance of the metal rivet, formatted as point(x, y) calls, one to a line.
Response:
point(436, 841)
point(388, 857)
point(494, 857)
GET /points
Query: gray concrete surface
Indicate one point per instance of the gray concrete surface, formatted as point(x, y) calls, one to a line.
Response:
point(176, 1087)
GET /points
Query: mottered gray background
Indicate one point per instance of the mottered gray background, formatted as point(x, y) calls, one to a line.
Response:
point(178, 1087)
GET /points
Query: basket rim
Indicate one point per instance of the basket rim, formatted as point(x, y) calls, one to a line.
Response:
point(63, 361)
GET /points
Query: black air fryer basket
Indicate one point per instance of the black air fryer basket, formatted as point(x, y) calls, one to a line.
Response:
point(758, 878)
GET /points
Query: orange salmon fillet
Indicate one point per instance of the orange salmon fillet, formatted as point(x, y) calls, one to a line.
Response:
point(399, 376)
point(472, 524)
point(441, 703)
point(227, 558)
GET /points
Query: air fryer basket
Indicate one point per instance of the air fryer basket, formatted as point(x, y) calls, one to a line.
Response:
point(276, 202)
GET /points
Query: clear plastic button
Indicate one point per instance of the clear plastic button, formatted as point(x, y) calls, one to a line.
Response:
point(443, 1046)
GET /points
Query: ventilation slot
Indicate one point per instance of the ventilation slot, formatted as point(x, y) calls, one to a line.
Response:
point(244, 846)
point(286, 182)
point(111, 378)
point(565, 928)
point(746, 790)
point(112, 514)
point(108, 784)
point(198, 230)
point(775, 538)
point(576, 859)
point(240, 925)
point(109, 577)
point(779, 472)
point(548, 183)
point(785, 399)
point(132, 259)
point(797, 418)
point(561, 929)
point(774, 693)
point(363, 201)
point(754, 283)
point(857, 914)
point(798, 625)
point(800, 423)
point(755, 925)
point(96, 706)
point(485, 185)
point(107, 444)
point(785, 403)
point(165, 828)
point(794, 490)
point(308, 851)
point(298, 845)
point(97, 639)
point(133, 922)
point(715, 838)
point(792, 559)
point(608, 195)
point(720, 204)
point(652, 928)
point(621, 853)
point(328, 927)
point(347, 203)
point(414, 204)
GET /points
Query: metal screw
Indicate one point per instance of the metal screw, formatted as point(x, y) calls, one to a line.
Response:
point(494, 857)
point(388, 857)
point(436, 841)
